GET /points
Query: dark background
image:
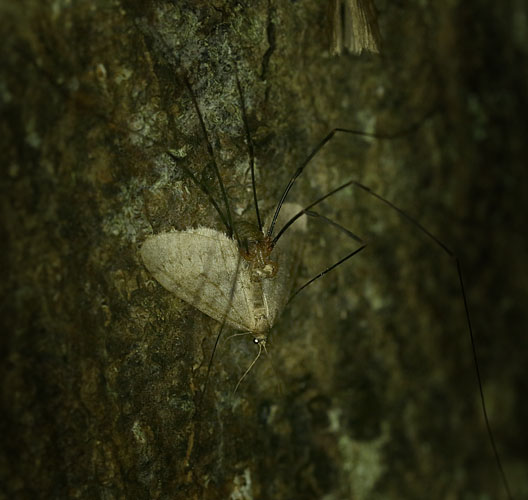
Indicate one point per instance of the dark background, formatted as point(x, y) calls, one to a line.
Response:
point(102, 368)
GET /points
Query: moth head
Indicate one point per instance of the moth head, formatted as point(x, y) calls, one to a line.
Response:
point(260, 339)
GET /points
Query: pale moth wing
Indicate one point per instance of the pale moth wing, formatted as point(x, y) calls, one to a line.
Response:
point(199, 266)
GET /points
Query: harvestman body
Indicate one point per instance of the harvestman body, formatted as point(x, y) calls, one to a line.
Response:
point(243, 278)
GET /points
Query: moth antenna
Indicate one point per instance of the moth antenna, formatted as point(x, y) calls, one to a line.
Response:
point(248, 368)
point(232, 228)
point(322, 143)
point(236, 335)
point(251, 150)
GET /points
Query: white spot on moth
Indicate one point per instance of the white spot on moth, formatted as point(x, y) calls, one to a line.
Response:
point(246, 288)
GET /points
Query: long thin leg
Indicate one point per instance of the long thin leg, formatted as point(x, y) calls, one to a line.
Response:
point(349, 233)
point(232, 230)
point(326, 271)
point(320, 146)
point(479, 380)
point(205, 189)
point(220, 331)
point(453, 256)
point(251, 151)
point(307, 208)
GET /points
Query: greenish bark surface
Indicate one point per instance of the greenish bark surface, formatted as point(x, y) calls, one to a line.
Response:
point(373, 395)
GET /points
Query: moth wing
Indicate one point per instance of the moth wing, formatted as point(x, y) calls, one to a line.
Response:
point(200, 267)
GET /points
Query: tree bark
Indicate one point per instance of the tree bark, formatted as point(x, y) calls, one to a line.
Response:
point(373, 393)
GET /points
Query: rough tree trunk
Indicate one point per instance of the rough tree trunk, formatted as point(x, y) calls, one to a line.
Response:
point(103, 368)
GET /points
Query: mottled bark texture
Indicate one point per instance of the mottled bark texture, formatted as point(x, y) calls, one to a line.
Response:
point(373, 392)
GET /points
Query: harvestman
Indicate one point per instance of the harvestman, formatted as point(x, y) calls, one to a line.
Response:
point(242, 278)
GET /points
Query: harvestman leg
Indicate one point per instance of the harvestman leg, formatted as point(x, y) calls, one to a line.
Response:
point(417, 224)
point(251, 151)
point(351, 235)
point(231, 229)
point(227, 221)
point(307, 211)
